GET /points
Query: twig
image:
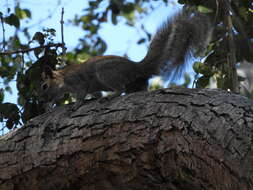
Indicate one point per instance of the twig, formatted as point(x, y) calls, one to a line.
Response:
point(23, 63)
point(195, 80)
point(62, 34)
point(30, 49)
point(2, 21)
point(217, 10)
point(231, 55)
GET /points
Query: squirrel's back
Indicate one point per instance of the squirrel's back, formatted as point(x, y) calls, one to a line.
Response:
point(187, 32)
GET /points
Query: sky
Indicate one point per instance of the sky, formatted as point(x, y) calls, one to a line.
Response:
point(120, 38)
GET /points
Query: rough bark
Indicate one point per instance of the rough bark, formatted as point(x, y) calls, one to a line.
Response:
point(165, 139)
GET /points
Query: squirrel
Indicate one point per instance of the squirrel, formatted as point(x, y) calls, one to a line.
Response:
point(186, 32)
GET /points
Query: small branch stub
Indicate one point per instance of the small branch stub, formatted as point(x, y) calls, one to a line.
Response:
point(62, 33)
point(2, 22)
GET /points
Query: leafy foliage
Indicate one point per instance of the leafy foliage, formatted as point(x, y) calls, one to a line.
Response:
point(217, 64)
point(25, 66)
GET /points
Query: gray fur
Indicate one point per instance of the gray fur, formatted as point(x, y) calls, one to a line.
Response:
point(188, 32)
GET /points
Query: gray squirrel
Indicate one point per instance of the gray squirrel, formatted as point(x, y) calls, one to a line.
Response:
point(188, 31)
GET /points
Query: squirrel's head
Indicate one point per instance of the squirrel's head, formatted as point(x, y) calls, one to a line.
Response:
point(52, 86)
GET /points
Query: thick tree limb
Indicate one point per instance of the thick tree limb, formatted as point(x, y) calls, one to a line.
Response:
point(166, 139)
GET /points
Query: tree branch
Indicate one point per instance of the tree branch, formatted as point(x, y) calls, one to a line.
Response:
point(231, 56)
point(62, 33)
point(165, 139)
point(3, 32)
point(31, 49)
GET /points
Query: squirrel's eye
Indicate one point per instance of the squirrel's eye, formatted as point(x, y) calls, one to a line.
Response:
point(44, 86)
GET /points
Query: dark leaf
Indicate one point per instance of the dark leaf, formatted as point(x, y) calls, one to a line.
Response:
point(12, 20)
point(10, 112)
point(142, 40)
point(202, 82)
point(39, 37)
point(128, 8)
point(10, 124)
point(38, 51)
point(115, 8)
point(197, 66)
point(1, 95)
point(114, 19)
point(52, 31)
point(28, 13)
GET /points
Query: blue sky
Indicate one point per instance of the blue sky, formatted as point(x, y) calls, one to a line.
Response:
point(120, 38)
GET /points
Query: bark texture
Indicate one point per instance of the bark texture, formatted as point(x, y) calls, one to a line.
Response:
point(166, 139)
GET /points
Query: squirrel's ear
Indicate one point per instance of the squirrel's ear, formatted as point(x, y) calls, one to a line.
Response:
point(47, 73)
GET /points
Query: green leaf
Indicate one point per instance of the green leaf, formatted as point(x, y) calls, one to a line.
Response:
point(28, 13)
point(202, 68)
point(243, 12)
point(82, 57)
point(12, 20)
point(22, 13)
point(70, 56)
point(130, 18)
point(203, 9)
point(197, 66)
point(139, 9)
point(86, 18)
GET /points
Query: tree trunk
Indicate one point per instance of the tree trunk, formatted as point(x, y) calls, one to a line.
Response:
point(165, 139)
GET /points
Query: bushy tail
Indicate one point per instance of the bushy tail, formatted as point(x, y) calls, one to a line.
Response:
point(187, 33)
